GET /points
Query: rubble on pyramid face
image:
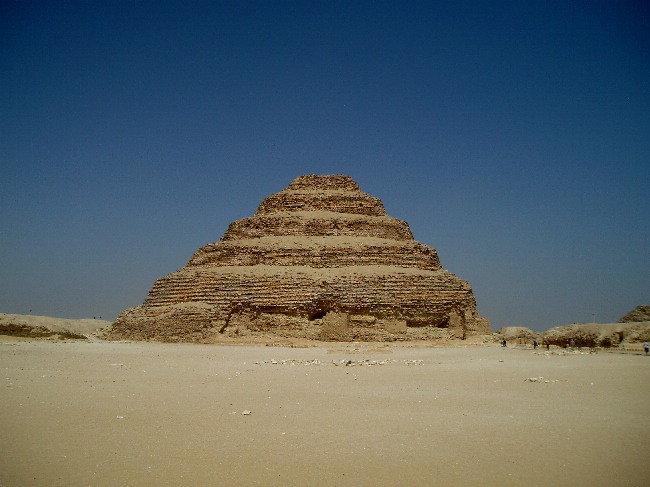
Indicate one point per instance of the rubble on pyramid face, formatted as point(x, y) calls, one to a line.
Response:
point(319, 260)
point(347, 201)
point(317, 252)
point(318, 224)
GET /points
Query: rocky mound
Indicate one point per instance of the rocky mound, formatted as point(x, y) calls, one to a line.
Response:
point(318, 260)
point(598, 335)
point(519, 333)
point(640, 313)
point(44, 326)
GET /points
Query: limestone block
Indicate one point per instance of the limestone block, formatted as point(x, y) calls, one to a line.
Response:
point(395, 326)
point(335, 327)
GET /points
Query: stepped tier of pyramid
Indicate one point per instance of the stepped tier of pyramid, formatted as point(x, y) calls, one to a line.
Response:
point(319, 260)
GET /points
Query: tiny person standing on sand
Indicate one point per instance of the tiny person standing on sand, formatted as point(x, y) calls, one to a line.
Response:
point(646, 347)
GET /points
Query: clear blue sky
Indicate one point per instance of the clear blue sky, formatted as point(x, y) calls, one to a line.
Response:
point(514, 137)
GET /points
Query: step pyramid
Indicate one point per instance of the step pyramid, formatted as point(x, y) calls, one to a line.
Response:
point(319, 260)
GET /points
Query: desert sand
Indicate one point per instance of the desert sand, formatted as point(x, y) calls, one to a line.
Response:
point(80, 413)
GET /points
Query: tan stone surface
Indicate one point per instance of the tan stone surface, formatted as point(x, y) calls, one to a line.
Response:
point(598, 334)
point(590, 335)
point(317, 252)
point(640, 313)
point(517, 333)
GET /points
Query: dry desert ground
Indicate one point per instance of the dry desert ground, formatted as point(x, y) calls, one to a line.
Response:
point(77, 413)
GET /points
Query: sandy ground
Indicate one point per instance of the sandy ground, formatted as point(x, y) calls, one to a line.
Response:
point(82, 413)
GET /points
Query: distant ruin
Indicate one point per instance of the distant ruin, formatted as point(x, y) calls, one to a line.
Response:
point(319, 260)
point(640, 313)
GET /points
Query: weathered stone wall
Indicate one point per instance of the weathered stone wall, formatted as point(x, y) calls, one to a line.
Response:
point(421, 298)
point(333, 225)
point(321, 260)
point(334, 201)
point(315, 182)
point(398, 254)
point(640, 313)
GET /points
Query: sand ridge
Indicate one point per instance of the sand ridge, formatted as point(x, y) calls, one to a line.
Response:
point(57, 325)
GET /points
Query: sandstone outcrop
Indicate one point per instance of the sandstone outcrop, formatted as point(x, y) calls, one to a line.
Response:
point(598, 335)
point(318, 260)
point(31, 326)
point(581, 334)
point(516, 333)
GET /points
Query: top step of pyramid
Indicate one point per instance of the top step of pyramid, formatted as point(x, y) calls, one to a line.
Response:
point(314, 182)
point(311, 193)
